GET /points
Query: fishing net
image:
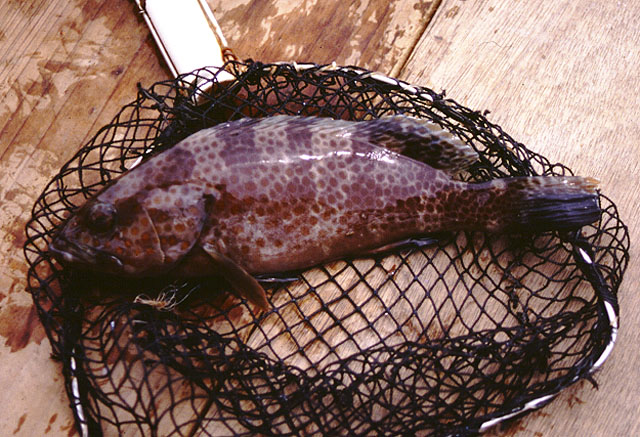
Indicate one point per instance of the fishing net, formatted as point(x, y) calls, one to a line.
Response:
point(444, 338)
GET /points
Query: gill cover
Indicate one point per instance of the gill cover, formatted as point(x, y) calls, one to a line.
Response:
point(178, 214)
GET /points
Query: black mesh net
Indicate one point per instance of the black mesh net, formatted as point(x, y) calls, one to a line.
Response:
point(445, 338)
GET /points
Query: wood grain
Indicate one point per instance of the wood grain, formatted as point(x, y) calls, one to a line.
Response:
point(373, 34)
point(560, 76)
point(66, 68)
point(62, 77)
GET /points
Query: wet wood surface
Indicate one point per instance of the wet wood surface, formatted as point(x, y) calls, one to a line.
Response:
point(559, 76)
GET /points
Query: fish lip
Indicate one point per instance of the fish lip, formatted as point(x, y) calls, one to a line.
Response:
point(69, 252)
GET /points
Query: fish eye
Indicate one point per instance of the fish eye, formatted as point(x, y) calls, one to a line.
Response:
point(101, 217)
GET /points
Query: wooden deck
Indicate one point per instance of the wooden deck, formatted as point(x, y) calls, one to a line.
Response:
point(560, 76)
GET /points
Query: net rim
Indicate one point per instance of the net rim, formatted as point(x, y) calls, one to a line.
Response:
point(609, 313)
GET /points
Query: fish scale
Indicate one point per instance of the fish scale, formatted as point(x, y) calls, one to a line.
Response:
point(350, 181)
point(260, 196)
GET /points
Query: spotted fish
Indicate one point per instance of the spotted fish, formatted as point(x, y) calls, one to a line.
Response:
point(259, 196)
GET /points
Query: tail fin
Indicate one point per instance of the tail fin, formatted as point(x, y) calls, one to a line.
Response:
point(549, 203)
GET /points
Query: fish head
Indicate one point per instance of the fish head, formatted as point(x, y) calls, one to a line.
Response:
point(144, 234)
point(116, 237)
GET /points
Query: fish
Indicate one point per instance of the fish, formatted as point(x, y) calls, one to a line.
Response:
point(260, 196)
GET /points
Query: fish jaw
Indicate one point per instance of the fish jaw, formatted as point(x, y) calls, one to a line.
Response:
point(83, 256)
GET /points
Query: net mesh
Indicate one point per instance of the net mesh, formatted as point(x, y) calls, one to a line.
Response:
point(437, 339)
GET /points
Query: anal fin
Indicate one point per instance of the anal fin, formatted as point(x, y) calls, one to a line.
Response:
point(408, 244)
point(276, 278)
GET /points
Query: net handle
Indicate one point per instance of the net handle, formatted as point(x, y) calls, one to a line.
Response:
point(189, 38)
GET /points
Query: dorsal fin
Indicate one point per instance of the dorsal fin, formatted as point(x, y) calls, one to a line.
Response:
point(421, 140)
point(413, 137)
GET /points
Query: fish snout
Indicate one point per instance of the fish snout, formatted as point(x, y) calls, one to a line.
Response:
point(80, 255)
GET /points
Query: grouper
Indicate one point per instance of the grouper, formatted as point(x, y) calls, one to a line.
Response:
point(283, 193)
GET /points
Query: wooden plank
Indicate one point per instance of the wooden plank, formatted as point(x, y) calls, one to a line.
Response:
point(66, 69)
point(371, 33)
point(558, 76)
point(106, 45)
point(63, 77)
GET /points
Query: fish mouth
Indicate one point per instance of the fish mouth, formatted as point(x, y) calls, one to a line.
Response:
point(77, 254)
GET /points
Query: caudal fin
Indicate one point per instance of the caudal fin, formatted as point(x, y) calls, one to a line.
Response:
point(550, 203)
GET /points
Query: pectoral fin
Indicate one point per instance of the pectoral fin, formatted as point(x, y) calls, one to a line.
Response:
point(242, 282)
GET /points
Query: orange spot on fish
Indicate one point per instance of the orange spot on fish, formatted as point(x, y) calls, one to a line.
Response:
point(235, 209)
